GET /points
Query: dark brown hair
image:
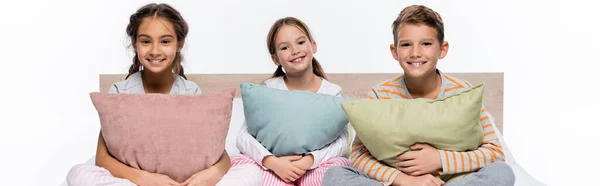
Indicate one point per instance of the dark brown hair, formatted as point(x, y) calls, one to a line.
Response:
point(163, 11)
point(419, 14)
point(292, 21)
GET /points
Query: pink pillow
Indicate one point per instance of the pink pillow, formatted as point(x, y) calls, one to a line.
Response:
point(174, 135)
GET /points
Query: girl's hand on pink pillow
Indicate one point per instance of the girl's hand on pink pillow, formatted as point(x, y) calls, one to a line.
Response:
point(207, 177)
point(154, 179)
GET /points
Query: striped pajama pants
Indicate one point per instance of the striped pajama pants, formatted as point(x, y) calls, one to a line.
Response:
point(310, 178)
point(90, 175)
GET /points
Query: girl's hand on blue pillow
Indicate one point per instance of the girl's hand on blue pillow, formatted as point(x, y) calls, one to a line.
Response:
point(284, 168)
point(305, 163)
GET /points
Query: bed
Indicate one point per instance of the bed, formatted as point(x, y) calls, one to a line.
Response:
point(354, 85)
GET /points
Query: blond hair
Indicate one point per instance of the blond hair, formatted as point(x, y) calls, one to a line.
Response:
point(419, 14)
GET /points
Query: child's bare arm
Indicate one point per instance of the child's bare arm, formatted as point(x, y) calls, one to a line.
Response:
point(120, 170)
point(213, 174)
point(223, 165)
point(114, 166)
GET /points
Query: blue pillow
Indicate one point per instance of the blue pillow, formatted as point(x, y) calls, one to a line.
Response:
point(292, 122)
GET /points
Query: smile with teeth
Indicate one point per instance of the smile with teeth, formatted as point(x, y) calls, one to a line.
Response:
point(417, 64)
point(297, 59)
point(156, 60)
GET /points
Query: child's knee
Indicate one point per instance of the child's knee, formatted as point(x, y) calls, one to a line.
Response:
point(501, 167)
point(78, 170)
point(82, 172)
point(342, 175)
point(251, 170)
point(503, 173)
point(244, 174)
point(245, 167)
point(334, 173)
point(341, 161)
point(335, 170)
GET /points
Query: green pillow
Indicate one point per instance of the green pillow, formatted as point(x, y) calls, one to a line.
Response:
point(351, 135)
point(388, 128)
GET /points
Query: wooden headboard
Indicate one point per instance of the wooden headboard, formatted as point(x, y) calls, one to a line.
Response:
point(354, 85)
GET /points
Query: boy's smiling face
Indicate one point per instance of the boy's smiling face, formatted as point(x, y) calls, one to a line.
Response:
point(418, 50)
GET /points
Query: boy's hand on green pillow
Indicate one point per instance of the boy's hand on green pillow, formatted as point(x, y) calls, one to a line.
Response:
point(424, 159)
point(305, 163)
point(283, 167)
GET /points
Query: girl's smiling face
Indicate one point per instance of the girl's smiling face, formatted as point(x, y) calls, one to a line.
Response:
point(157, 44)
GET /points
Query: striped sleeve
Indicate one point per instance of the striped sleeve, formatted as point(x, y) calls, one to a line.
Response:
point(490, 151)
point(372, 94)
point(363, 161)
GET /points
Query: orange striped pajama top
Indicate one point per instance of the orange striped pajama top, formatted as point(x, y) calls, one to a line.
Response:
point(452, 162)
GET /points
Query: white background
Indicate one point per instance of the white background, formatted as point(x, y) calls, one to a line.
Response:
point(53, 51)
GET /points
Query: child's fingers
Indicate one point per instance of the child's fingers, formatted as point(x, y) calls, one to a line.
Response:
point(433, 183)
point(409, 170)
point(297, 165)
point(173, 183)
point(408, 163)
point(406, 156)
point(292, 158)
point(297, 170)
point(284, 178)
point(296, 158)
point(438, 181)
point(293, 176)
point(287, 180)
point(186, 182)
point(418, 146)
point(416, 173)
